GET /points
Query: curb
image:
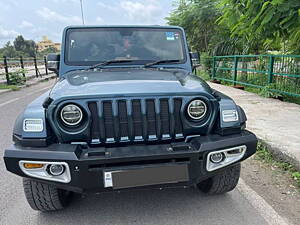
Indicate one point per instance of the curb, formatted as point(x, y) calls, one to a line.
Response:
point(279, 154)
point(3, 91)
point(30, 84)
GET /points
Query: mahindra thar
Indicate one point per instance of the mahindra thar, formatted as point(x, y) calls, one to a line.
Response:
point(126, 112)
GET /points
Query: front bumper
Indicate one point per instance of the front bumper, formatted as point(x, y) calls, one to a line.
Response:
point(87, 165)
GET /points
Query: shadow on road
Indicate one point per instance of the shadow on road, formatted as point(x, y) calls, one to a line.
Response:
point(169, 206)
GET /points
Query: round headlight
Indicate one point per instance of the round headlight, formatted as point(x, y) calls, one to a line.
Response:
point(197, 109)
point(71, 114)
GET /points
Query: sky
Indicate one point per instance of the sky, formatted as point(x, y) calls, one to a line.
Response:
point(35, 18)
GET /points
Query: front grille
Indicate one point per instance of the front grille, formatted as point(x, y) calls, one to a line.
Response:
point(114, 121)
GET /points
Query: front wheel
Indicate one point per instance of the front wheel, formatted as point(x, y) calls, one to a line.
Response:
point(45, 197)
point(223, 182)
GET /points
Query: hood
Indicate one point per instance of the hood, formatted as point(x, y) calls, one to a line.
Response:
point(128, 82)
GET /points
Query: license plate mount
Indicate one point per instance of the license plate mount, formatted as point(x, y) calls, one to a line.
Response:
point(137, 177)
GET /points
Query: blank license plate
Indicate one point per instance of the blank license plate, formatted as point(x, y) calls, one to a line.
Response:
point(146, 176)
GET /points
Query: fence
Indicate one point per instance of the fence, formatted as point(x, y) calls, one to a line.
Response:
point(31, 67)
point(277, 73)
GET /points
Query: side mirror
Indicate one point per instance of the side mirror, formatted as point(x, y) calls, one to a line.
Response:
point(53, 62)
point(195, 58)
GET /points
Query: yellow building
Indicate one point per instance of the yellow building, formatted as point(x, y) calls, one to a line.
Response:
point(46, 43)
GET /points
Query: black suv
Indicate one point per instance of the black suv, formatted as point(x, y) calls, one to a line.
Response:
point(126, 112)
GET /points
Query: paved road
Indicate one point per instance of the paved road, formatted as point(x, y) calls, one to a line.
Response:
point(172, 206)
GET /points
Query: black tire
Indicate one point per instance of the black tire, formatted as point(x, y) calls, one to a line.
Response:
point(45, 197)
point(223, 182)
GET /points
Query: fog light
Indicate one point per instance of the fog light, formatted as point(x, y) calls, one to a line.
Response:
point(217, 157)
point(53, 171)
point(56, 169)
point(221, 158)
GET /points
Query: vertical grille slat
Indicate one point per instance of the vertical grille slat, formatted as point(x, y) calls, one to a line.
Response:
point(172, 119)
point(101, 122)
point(151, 119)
point(137, 119)
point(95, 126)
point(108, 121)
point(130, 120)
point(144, 118)
point(178, 122)
point(123, 120)
point(148, 119)
point(116, 121)
point(157, 115)
point(164, 117)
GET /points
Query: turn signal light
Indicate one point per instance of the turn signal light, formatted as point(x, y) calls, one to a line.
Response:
point(33, 165)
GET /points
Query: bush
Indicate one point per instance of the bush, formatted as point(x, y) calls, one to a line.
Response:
point(16, 78)
point(206, 61)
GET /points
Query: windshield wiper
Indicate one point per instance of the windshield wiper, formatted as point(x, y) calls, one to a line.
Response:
point(109, 62)
point(162, 61)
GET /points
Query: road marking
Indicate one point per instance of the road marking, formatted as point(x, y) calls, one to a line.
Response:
point(18, 98)
point(266, 210)
point(9, 101)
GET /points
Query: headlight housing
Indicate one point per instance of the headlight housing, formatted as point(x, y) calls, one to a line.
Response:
point(197, 109)
point(71, 114)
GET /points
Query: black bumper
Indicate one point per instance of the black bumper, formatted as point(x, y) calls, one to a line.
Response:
point(88, 164)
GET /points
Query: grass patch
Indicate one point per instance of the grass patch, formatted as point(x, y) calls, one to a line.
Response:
point(266, 156)
point(203, 74)
point(11, 87)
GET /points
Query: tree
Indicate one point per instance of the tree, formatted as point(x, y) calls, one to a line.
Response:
point(20, 43)
point(30, 48)
point(223, 27)
point(8, 50)
point(263, 23)
point(27, 47)
point(198, 19)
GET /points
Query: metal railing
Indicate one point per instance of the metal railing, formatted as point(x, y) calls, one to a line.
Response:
point(277, 73)
point(29, 67)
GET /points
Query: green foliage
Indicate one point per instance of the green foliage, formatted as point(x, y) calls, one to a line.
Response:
point(266, 156)
point(26, 48)
point(203, 74)
point(198, 19)
point(266, 22)
point(16, 78)
point(230, 27)
point(12, 87)
point(8, 50)
point(206, 61)
point(265, 92)
point(296, 177)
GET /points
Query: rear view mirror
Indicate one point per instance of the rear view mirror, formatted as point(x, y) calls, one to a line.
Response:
point(195, 58)
point(53, 62)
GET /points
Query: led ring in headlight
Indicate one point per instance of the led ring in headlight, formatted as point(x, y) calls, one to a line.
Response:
point(71, 114)
point(197, 109)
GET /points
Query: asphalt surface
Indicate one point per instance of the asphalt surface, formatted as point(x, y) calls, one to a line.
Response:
point(169, 206)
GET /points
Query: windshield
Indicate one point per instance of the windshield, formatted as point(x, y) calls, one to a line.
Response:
point(87, 46)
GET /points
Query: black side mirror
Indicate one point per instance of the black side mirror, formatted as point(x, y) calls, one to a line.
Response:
point(53, 62)
point(195, 58)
